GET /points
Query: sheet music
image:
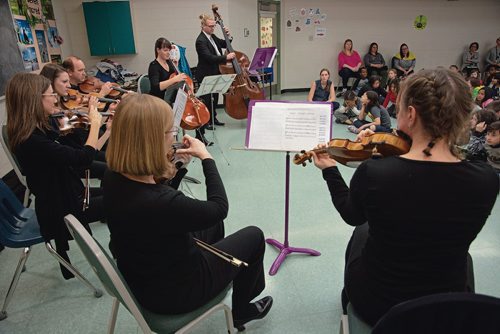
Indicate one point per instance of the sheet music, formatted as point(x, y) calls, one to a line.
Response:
point(285, 126)
point(179, 106)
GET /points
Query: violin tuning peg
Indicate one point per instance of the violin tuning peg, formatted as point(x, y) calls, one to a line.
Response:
point(303, 151)
point(303, 164)
point(310, 160)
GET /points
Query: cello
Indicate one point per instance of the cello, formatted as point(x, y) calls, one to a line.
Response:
point(195, 113)
point(242, 89)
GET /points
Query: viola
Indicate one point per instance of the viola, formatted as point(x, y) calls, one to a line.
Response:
point(196, 113)
point(76, 100)
point(94, 85)
point(346, 151)
point(242, 89)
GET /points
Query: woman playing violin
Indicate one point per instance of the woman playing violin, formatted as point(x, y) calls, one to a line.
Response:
point(49, 164)
point(165, 270)
point(414, 214)
point(60, 82)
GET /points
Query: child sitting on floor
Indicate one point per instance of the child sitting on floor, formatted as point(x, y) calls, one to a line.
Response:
point(349, 110)
point(492, 145)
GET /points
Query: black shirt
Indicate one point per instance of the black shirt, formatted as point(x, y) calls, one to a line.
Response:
point(157, 74)
point(150, 225)
point(422, 218)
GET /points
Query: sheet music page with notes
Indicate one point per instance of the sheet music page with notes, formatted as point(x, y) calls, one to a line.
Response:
point(288, 126)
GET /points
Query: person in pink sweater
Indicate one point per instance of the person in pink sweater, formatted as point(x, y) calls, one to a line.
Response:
point(349, 63)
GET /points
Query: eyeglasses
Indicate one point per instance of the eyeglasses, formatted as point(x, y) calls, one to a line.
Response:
point(50, 94)
point(211, 26)
point(174, 131)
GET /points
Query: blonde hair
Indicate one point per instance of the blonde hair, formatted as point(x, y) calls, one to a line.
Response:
point(137, 142)
point(204, 18)
point(442, 100)
point(25, 112)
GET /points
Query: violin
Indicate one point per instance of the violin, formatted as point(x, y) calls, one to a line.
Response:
point(75, 100)
point(94, 85)
point(196, 113)
point(243, 89)
point(346, 151)
point(74, 119)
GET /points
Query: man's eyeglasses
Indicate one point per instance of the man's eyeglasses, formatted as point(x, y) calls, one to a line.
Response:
point(211, 26)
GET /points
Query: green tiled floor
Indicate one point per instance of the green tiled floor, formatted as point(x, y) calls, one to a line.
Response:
point(306, 289)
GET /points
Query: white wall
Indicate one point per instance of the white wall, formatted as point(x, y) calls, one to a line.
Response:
point(176, 20)
point(452, 26)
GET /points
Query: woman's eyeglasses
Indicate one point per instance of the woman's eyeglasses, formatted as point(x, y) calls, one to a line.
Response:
point(50, 94)
point(174, 131)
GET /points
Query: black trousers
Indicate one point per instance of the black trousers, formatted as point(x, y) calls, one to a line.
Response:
point(247, 244)
point(207, 100)
point(345, 74)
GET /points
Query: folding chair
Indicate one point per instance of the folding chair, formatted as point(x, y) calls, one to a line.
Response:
point(143, 84)
point(19, 229)
point(15, 164)
point(457, 313)
point(115, 285)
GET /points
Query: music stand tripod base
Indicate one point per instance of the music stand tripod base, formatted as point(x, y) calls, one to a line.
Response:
point(284, 248)
point(284, 251)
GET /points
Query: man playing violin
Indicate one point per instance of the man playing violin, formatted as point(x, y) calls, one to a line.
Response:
point(414, 216)
point(210, 56)
point(77, 75)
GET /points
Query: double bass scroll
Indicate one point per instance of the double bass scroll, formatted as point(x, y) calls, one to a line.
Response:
point(243, 89)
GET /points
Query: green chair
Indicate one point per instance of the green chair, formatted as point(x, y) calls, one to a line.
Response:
point(115, 285)
point(143, 84)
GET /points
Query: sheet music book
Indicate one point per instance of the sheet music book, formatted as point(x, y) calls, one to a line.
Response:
point(262, 58)
point(287, 125)
point(179, 106)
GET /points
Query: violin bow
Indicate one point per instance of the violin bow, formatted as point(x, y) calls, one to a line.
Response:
point(225, 256)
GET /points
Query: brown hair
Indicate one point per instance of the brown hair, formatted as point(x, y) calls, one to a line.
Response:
point(495, 126)
point(352, 45)
point(161, 43)
point(25, 112)
point(69, 63)
point(442, 101)
point(137, 142)
point(52, 72)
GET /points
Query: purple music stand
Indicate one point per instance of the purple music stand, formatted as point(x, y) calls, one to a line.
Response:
point(284, 247)
point(263, 58)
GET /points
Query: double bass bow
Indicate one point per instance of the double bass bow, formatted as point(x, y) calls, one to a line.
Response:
point(243, 89)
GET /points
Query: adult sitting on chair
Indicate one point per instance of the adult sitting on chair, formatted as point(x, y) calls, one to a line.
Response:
point(418, 245)
point(152, 224)
point(349, 63)
point(49, 164)
point(404, 61)
point(77, 74)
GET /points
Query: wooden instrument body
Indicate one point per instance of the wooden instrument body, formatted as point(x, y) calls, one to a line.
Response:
point(243, 89)
point(345, 151)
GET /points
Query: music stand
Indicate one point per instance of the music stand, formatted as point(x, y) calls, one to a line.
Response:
point(263, 58)
point(215, 84)
point(264, 122)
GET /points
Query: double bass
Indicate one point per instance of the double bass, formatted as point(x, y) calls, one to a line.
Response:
point(243, 89)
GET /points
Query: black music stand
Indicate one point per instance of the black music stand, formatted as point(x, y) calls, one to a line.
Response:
point(215, 84)
point(262, 59)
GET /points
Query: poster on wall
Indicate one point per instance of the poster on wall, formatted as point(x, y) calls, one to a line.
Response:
point(38, 39)
point(23, 31)
point(56, 59)
point(42, 46)
point(30, 59)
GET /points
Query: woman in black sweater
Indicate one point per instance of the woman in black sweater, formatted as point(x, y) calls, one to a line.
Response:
point(51, 165)
point(418, 244)
point(152, 224)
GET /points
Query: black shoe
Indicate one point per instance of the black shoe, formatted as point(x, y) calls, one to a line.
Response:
point(209, 127)
point(262, 308)
point(217, 122)
point(204, 140)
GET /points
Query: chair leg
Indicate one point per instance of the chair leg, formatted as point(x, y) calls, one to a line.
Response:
point(195, 322)
point(52, 251)
point(15, 280)
point(114, 314)
point(26, 200)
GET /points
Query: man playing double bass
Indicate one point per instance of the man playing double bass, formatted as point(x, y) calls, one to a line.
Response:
point(210, 56)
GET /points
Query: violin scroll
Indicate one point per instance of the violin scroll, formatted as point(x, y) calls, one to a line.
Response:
point(302, 158)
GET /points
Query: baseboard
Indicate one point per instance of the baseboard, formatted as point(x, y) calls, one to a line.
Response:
point(294, 90)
